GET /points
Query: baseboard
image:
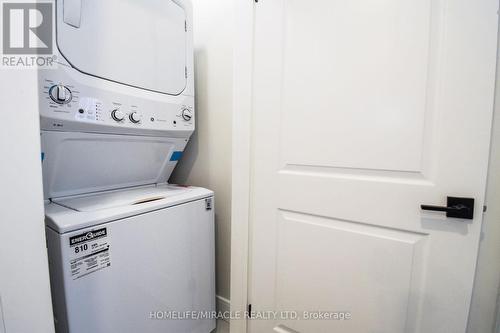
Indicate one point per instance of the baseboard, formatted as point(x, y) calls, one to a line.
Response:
point(497, 330)
point(2, 323)
point(222, 305)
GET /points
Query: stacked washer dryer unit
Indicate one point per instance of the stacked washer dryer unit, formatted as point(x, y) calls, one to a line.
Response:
point(127, 251)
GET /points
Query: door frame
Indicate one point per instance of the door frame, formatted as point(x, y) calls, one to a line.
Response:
point(243, 40)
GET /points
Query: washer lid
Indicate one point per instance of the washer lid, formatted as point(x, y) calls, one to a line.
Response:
point(138, 43)
point(77, 163)
point(121, 198)
point(73, 213)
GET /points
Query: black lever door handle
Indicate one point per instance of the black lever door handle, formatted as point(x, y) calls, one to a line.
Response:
point(462, 208)
point(445, 209)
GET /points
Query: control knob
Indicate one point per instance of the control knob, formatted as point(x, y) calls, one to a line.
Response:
point(187, 114)
point(60, 94)
point(117, 115)
point(134, 117)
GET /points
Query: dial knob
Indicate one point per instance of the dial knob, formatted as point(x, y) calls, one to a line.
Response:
point(187, 114)
point(60, 94)
point(134, 117)
point(117, 115)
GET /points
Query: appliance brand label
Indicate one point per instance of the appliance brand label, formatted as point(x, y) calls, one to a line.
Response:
point(89, 252)
point(87, 236)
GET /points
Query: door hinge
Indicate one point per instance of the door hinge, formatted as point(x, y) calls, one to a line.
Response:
point(186, 72)
point(249, 310)
point(185, 26)
point(485, 208)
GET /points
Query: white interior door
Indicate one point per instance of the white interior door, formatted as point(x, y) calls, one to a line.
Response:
point(362, 111)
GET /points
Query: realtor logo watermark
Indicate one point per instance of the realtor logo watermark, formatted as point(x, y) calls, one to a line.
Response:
point(27, 39)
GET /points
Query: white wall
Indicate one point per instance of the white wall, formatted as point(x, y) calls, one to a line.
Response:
point(207, 159)
point(483, 313)
point(24, 276)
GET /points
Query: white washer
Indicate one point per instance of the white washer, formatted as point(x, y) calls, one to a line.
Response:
point(137, 260)
point(127, 251)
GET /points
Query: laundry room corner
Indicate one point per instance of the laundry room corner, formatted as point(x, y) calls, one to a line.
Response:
point(207, 159)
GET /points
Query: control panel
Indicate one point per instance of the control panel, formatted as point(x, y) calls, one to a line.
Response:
point(68, 106)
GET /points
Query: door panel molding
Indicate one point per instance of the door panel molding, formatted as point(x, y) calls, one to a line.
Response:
point(354, 249)
point(404, 177)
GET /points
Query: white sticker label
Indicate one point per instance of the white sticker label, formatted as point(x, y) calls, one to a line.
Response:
point(90, 252)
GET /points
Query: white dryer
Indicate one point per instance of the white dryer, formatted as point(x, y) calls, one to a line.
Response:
point(127, 251)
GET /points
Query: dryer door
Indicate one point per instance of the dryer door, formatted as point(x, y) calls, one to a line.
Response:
point(138, 43)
